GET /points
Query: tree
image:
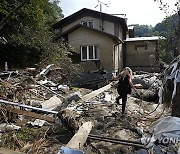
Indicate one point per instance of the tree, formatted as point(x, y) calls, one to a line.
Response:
point(169, 84)
point(142, 30)
point(5, 20)
point(176, 24)
point(29, 35)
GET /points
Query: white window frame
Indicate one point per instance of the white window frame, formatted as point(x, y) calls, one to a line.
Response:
point(87, 51)
point(88, 23)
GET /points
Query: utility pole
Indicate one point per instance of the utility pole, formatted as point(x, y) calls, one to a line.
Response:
point(100, 16)
point(100, 5)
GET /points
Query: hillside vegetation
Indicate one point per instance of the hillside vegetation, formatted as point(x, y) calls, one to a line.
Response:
point(29, 35)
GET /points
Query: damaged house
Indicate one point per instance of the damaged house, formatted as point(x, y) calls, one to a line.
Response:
point(97, 38)
point(142, 53)
point(102, 41)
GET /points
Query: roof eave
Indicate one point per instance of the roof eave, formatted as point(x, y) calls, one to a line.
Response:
point(93, 29)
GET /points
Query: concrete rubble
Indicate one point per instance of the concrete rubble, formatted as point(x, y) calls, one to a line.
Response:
point(45, 114)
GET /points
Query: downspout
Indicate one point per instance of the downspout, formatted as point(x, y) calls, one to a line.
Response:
point(124, 54)
point(124, 48)
point(114, 50)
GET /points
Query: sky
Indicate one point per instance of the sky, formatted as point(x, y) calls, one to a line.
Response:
point(137, 11)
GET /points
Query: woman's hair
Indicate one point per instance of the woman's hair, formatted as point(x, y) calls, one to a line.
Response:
point(123, 73)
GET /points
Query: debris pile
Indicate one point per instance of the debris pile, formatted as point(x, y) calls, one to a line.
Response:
point(149, 84)
point(41, 114)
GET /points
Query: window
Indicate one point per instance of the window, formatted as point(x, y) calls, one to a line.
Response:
point(140, 46)
point(89, 53)
point(88, 23)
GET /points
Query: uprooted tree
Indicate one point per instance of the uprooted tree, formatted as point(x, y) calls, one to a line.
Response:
point(170, 90)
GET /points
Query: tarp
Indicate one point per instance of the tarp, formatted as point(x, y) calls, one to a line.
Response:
point(166, 129)
point(174, 75)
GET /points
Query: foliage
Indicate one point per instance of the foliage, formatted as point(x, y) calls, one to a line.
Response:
point(165, 28)
point(142, 30)
point(29, 35)
point(36, 13)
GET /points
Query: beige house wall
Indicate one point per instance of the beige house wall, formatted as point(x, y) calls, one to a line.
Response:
point(140, 57)
point(108, 27)
point(87, 37)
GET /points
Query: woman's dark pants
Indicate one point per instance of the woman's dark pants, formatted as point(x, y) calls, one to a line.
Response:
point(124, 99)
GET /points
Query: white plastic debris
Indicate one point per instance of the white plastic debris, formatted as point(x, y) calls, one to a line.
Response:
point(8, 127)
point(174, 76)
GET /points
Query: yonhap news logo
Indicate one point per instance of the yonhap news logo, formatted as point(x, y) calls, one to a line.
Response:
point(163, 140)
point(168, 140)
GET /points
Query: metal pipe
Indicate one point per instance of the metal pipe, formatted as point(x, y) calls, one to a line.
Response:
point(114, 141)
point(27, 107)
point(103, 137)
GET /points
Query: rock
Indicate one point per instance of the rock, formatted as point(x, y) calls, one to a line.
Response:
point(76, 96)
point(99, 126)
point(147, 95)
point(123, 134)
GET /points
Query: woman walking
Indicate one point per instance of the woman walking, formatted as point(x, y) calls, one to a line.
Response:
point(124, 86)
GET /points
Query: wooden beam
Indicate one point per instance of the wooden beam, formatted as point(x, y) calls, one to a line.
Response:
point(79, 139)
point(49, 105)
point(29, 114)
point(96, 92)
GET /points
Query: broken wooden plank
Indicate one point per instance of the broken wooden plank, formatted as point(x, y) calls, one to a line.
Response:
point(96, 92)
point(79, 139)
point(30, 114)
